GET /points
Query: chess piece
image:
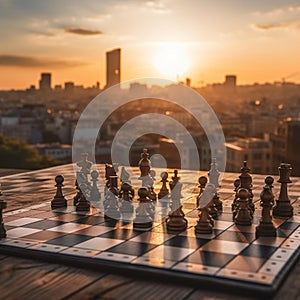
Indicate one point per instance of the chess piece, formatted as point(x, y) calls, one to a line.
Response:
point(213, 176)
point(176, 221)
point(80, 178)
point(95, 195)
point(111, 204)
point(153, 195)
point(124, 177)
point(126, 194)
point(85, 165)
point(143, 219)
point(144, 164)
point(2, 228)
point(83, 204)
point(236, 184)
point(266, 226)
point(202, 180)
point(59, 199)
point(109, 171)
point(164, 191)
point(113, 188)
point(246, 183)
point(283, 207)
point(243, 215)
point(204, 224)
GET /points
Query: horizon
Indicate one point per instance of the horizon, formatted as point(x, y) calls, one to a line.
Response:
point(258, 41)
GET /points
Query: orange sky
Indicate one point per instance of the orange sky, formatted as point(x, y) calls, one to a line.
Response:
point(257, 41)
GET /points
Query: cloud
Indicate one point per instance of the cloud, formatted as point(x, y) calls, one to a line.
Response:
point(30, 61)
point(157, 7)
point(283, 25)
point(82, 31)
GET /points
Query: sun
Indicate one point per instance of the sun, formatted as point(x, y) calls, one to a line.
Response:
point(171, 60)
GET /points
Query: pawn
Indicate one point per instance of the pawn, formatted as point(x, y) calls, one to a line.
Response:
point(83, 204)
point(202, 183)
point(205, 223)
point(94, 194)
point(164, 191)
point(243, 214)
point(143, 218)
point(266, 226)
point(59, 199)
point(126, 195)
point(2, 228)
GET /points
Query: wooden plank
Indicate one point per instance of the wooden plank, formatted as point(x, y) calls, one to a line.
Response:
point(27, 279)
point(121, 287)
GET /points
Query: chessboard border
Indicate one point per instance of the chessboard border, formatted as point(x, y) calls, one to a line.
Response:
point(205, 281)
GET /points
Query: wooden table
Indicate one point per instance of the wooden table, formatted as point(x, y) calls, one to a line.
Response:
point(31, 279)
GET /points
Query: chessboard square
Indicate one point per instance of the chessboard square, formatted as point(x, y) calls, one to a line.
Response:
point(238, 228)
point(196, 268)
point(94, 230)
point(169, 253)
point(44, 224)
point(289, 225)
point(116, 256)
point(98, 243)
point(228, 247)
point(132, 248)
point(48, 214)
point(91, 220)
point(154, 262)
point(226, 217)
point(69, 240)
point(66, 217)
point(121, 234)
point(22, 221)
point(69, 227)
point(235, 236)
point(221, 224)
point(80, 252)
point(44, 235)
point(269, 241)
point(186, 242)
point(20, 232)
point(209, 258)
point(261, 251)
point(150, 237)
point(246, 263)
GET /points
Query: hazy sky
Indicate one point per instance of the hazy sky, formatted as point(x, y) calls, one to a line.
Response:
point(259, 40)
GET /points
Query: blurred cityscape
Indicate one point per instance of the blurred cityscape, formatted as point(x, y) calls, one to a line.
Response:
point(261, 122)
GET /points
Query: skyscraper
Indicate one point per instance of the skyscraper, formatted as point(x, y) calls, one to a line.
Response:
point(45, 82)
point(113, 67)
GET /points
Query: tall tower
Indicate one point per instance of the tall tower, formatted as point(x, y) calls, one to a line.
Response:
point(113, 67)
point(45, 82)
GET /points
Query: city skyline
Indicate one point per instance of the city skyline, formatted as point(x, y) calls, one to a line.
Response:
point(257, 41)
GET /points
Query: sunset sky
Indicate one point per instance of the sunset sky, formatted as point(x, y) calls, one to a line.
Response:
point(258, 40)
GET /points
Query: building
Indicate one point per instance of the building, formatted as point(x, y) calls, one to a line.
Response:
point(257, 152)
point(230, 81)
point(61, 152)
point(113, 67)
point(45, 82)
point(286, 141)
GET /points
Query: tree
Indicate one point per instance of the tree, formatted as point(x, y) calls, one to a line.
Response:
point(20, 155)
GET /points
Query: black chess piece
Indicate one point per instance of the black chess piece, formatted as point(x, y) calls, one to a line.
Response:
point(111, 203)
point(246, 183)
point(83, 204)
point(213, 176)
point(143, 219)
point(126, 195)
point(95, 195)
point(153, 195)
point(80, 178)
point(243, 215)
point(202, 180)
point(164, 191)
point(144, 164)
point(205, 223)
point(176, 220)
point(266, 226)
point(3, 205)
point(59, 199)
point(109, 171)
point(283, 207)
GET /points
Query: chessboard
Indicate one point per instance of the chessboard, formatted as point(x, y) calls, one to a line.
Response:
point(231, 257)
